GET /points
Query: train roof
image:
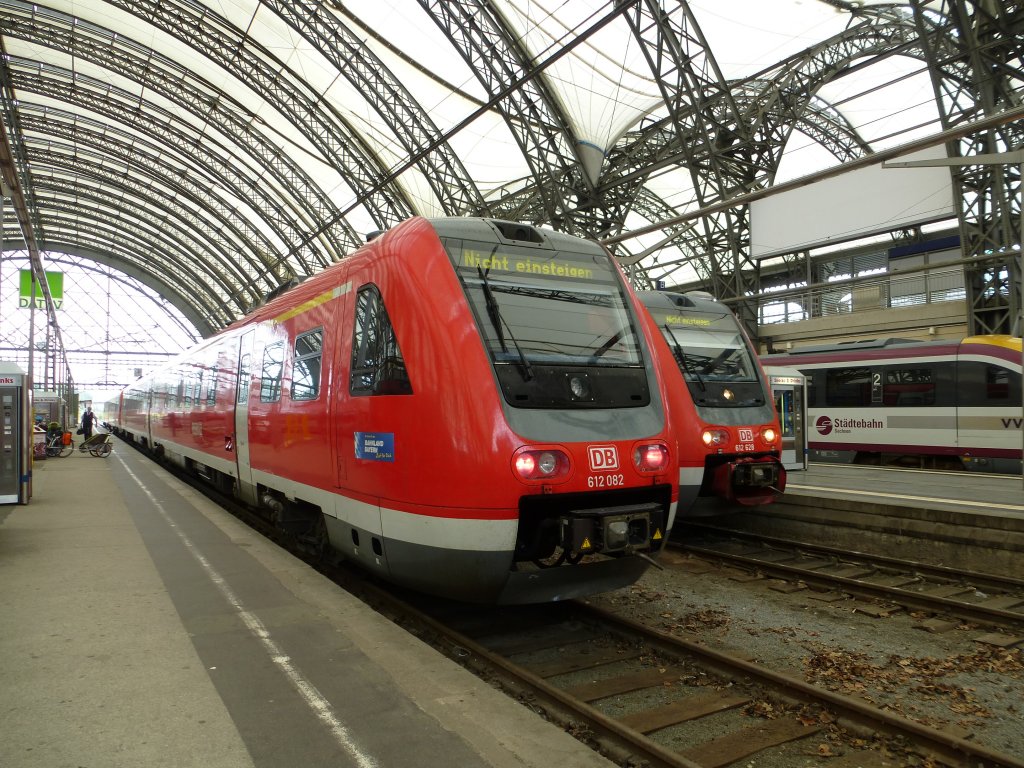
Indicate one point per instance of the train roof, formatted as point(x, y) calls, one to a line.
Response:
point(1009, 342)
point(508, 232)
point(1001, 347)
point(848, 346)
point(693, 301)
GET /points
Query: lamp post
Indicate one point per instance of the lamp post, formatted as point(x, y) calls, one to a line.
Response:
point(1000, 158)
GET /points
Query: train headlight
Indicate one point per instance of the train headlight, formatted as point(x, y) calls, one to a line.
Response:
point(769, 434)
point(543, 465)
point(650, 457)
point(546, 463)
point(712, 437)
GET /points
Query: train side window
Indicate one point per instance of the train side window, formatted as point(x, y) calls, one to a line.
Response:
point(909, 387)
point(199, 399)
point(211, 392)
point(997, 383)
point(378, 367)
point(987, 384)
point(848, 386)
point(815, 386)
point(273, 364)
point(306, 365)
point(244, 374)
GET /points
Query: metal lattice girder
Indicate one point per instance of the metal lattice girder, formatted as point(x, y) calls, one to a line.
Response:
point(530, 111)
point(411, 124)
point(177, 84)
point(190, 147)
point(91, 233)
point(163, 283)
point(193, 190)
point(652, 208)
point(769, 108)
point(983, 79)
point(139, 200)
point(144, 244)
point(214, 37)
point(671, 52)
point(819, 121)
point(690, 82)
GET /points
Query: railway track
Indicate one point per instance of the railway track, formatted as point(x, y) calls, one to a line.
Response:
point(640, 694)
point(985, 599)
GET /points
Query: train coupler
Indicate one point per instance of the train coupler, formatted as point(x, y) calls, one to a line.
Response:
point(750, 481)
point(609, 531)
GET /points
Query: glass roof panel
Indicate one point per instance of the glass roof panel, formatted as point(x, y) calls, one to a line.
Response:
point(890, 102)
point(748, 36)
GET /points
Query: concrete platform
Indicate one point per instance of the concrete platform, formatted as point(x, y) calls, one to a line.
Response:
point(143, 626)
point(991, 495)
point(966, 521)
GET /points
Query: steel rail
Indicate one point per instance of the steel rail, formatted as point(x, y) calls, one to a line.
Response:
point(982, 614)
point(947, 746)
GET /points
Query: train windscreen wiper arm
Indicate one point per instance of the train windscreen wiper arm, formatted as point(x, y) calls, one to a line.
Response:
point(494, 312)
point(680, 355)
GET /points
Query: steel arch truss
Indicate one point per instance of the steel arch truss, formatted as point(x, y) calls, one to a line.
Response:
point(206, 182)
point(244, 150)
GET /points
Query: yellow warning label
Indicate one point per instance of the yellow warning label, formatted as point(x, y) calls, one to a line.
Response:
point(586, 544)
point(657, 534)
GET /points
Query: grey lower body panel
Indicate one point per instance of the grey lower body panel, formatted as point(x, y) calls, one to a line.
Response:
point(480, 576)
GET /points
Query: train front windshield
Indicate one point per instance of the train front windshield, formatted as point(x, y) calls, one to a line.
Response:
point(714, 358)
point(557, 324)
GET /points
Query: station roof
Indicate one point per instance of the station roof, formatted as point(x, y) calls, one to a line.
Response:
point(216, 150)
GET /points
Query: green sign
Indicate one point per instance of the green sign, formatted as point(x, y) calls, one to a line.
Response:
point(55, 281)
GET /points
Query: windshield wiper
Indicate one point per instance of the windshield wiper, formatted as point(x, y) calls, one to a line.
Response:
point(680, 355)
point(614, 339)
point(494, 312)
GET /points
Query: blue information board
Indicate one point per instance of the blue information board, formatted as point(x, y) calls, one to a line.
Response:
point(375, 446)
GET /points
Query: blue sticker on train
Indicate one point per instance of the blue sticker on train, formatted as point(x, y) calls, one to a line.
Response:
point(375, 446)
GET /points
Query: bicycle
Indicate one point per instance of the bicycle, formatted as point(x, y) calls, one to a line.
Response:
point(56, 446)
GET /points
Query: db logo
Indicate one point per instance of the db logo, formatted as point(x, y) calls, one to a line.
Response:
point(823, 425)
point(746, 435)
point(603, 457)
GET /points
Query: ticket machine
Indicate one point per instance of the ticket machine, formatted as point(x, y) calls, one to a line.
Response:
point(15, 435)
point(789, 390)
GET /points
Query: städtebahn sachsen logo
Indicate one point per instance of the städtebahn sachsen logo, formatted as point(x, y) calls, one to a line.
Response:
point(823, 425)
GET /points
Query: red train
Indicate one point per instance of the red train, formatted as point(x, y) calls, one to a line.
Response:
point(732, 453)
point(467, 407)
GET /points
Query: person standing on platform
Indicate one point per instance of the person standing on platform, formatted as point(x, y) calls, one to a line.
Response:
point(88, 422)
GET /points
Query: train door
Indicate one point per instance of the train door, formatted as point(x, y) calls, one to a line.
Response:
point(789, 391)
point(246, 486)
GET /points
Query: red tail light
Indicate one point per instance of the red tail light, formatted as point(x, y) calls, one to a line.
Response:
point(650, 457)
